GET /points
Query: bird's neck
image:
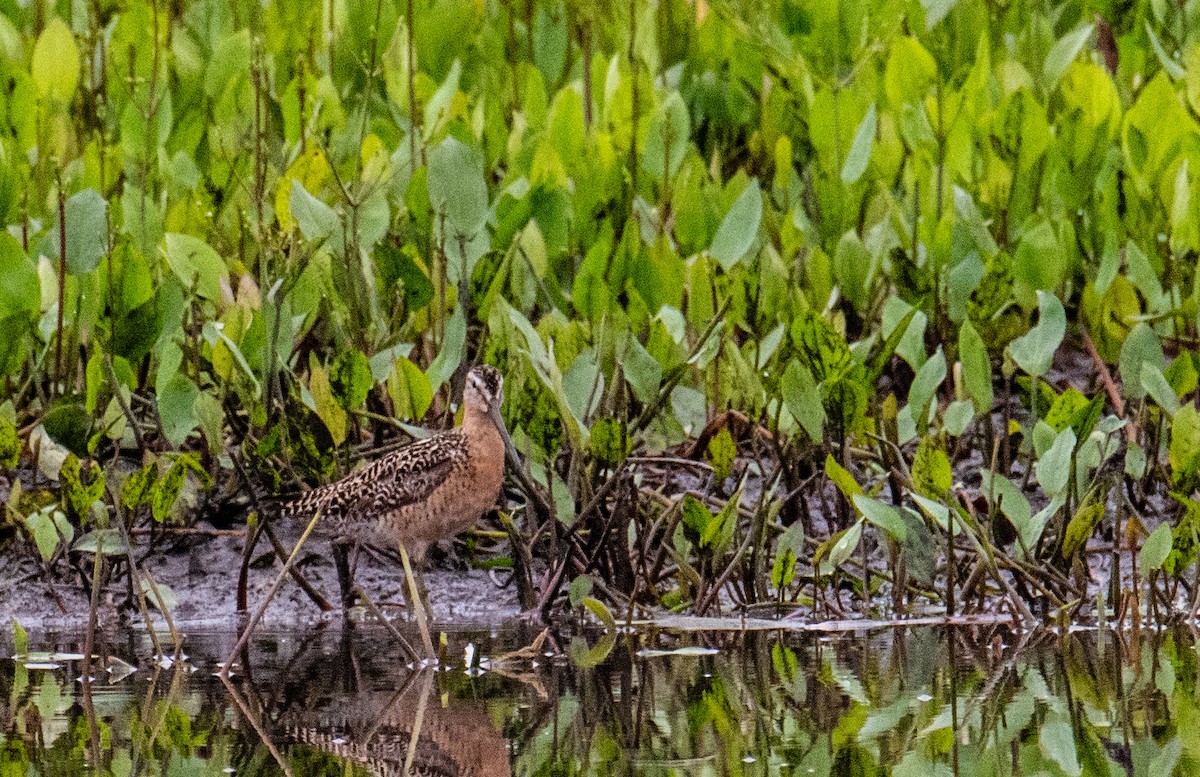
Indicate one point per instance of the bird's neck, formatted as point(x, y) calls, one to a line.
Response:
point(477, 420)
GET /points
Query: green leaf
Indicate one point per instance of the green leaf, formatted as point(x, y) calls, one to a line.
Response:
point(456, 186)
point(841, 478)
point(641, 369)
point(196, 264)
point(1155, 550)
point(1034, 351)
point(1057, 740)
point(977, 368)
point(860, 149)
point(881, 515)
point(55, 65)
point(177, 408)
point(317, 221)
point(739, 229)
point(842, 548)
point(105, 541)
point(909, 73)
point(668, 138)
point(1174, 69)
point(1183, 455)
point(1156, 385)
point(579, 588)
point(329, 410)
point(1063, 53)
point(787, 549)
point(20, 289)
point(721, 452)
point(87, 232)
point(931, 472)
point(10, 444)
point(138, 488)
point(1054, 466)
point(1141, 347)
point(350, 378)
point(1038, 260)
point(79, 489)
point(924, 387)
point(410, 390)
point(1080, 527)
point(44, 526)
point(802, 398)
point(610, 441)
point(452, 353)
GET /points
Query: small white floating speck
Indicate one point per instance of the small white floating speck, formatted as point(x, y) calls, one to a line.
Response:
point(924, 697)
point(43, 665)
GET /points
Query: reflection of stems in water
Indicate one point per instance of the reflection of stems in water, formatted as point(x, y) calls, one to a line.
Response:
point(420, 716)
point(262, 608)
point(89, 642)
point(250, 717)
point(391, 627)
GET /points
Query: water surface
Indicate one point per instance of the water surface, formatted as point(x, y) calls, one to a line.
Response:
point(973, 701)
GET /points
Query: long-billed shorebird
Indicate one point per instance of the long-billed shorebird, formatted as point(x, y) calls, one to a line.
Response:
point(422, 493)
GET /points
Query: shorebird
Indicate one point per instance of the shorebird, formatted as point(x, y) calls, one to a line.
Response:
point(422, 493)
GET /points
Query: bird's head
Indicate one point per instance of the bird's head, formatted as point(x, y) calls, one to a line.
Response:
point(484, 389)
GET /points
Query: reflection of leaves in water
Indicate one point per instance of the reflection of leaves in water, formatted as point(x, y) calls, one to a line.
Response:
point(844, 704)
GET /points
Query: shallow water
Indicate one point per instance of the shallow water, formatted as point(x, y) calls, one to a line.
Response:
point(344, 701)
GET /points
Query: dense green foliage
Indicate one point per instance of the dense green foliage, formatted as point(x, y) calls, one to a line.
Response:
point(865, 228)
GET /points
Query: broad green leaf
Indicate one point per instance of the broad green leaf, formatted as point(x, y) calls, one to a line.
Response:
point(958, 417)
point(158, 594)
point(1039, 260)
point(931, 472)
point(44, 526)
point(1174, 68)
point(802, 398)
point(668, 138)
point(787, 549)
point(841, 478)
point(317, 221)
point(925, 386)
point(456, 186)
point(909, 72)
point(1034, 351)
point(642, 370)
point(104, 541)
point(55, 65)
point(843, 547)
point(86, 216)
point(1155, 549)
point(860, 149)
point(1063, 53)
point(196, 264)
point(1183, 455)
point(176, 408)
point(739, 229)
point(977, 368)
point(1057, 740)
point(1054, 467)
point(410, 390)
point(1156, 385)
point(329, 410)
point(882, 515)
point(1142, 347)
point(20, 289)
point(452, 353)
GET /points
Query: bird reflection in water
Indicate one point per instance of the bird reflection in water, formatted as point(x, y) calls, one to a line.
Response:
point(322, 703)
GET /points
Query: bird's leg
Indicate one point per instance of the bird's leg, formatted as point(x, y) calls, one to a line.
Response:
point(341, 559)
point(414, 597)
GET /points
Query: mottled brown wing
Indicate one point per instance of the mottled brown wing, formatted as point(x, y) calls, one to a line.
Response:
point(401, 478)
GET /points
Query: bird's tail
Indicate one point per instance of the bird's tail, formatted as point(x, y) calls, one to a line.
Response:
point(303, 505)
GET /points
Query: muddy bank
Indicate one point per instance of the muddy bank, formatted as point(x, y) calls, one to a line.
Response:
point(202, 574)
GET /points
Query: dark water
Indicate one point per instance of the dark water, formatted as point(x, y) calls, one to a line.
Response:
point(335, 701)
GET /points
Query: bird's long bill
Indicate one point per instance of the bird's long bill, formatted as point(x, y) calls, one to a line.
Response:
point(510, 450)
